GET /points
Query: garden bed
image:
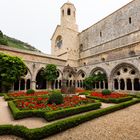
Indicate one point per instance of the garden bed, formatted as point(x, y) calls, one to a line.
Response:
point(39, 107)
point(112, 98)
point(61, 125)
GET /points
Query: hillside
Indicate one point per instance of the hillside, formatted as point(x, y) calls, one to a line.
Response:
point(15, 43)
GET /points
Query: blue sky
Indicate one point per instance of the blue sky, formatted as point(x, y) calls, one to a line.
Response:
point(34, 21)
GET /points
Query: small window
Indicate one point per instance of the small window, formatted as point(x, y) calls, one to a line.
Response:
point(130, 20)
point(133, 72)
point(81, 47)
point(63, 12)
point(83, 75)
point(68, 11)
point(125, 70)
point(118, 73)
point(100, 34)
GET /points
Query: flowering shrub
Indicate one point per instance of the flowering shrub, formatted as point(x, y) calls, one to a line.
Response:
point(55, 98)
point(21, 93)
point(41, 103)
point(79, 90)
point(30, 91)
point(112, 95)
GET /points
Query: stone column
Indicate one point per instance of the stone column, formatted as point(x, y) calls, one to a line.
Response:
point(25, 85)
point(33, 85)
point(125, 86)
point(19, 85)
point(132, 81)
point(110, 84)
point(103, 84)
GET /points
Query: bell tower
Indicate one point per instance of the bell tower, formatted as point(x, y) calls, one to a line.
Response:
point(68, 16)
point(65, 41)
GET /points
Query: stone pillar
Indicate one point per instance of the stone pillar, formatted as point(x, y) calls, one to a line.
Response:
point(25, 85)
point(19, 85)
point(103, 84)
point(132, 81)
point(110, 84)
point(125, 82)
point(33, 85)
point(119, 84)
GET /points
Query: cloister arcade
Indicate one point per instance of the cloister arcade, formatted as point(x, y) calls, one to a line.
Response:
point(126, 77)
point(123, 77)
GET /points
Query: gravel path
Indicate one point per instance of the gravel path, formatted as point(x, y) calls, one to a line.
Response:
point(120, 125)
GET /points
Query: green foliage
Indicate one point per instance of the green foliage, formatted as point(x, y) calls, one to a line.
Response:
point(61, 125)
point(55, 98)
point(12, 68)
point(3, 40)
point(112, 100)
point(51, 116)
point(88, 83)
point(106, 92)
point(30, 91)
point(50, 72)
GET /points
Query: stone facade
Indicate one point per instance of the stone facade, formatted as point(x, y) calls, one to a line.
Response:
point(111, 46)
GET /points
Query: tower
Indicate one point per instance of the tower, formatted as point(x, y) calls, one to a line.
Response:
point(64, 42)
point(68, 16)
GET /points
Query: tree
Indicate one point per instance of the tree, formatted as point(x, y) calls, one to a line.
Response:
point(3, 40)
point(88, 82)
point(11, 69)
point(50, 72)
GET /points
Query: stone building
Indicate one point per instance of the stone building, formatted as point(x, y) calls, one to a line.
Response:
point(111, 46)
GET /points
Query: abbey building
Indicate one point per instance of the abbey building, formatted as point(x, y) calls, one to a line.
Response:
point(111, 46)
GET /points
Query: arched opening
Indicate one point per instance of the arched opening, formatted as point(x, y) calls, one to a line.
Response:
point(129, 84)
point(136, 84)
point(60, 84)
point(116, 85)
point(40, 81)
point(22, 84)
point(106, 84)
point(70, 83)
point(122, 84)
point(97, 85)
point(28, 84)
point(16, 85)
point(68, 12)
point(77, 83)
point(102, 85)
point(56, 84)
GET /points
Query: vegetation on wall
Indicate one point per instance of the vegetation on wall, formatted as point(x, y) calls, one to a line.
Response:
point(11, 69)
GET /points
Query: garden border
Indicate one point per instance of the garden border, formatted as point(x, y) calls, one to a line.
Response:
point(111, 100)
point(54, 115)
point(61, 125)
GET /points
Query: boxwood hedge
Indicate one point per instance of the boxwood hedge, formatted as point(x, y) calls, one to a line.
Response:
point(50, 116)
point(112, 100)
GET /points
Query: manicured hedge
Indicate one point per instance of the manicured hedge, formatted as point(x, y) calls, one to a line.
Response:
point(112, 100)
point(50, 116)
point(61, 125)
point(2, 94)
point(10, 98)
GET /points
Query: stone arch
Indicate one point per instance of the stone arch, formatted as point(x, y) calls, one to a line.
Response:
point(98, 69)
point(80, 78)
point(126, 74)
point(123, 65)
point(100, 84)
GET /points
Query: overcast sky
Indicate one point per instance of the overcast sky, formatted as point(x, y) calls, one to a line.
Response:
point(34, 21)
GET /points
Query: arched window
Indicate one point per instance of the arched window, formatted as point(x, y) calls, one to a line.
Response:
point(68, 11)
point(63, 12)
point(59, 41)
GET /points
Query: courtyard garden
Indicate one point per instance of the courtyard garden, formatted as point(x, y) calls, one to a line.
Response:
point(36, 114)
